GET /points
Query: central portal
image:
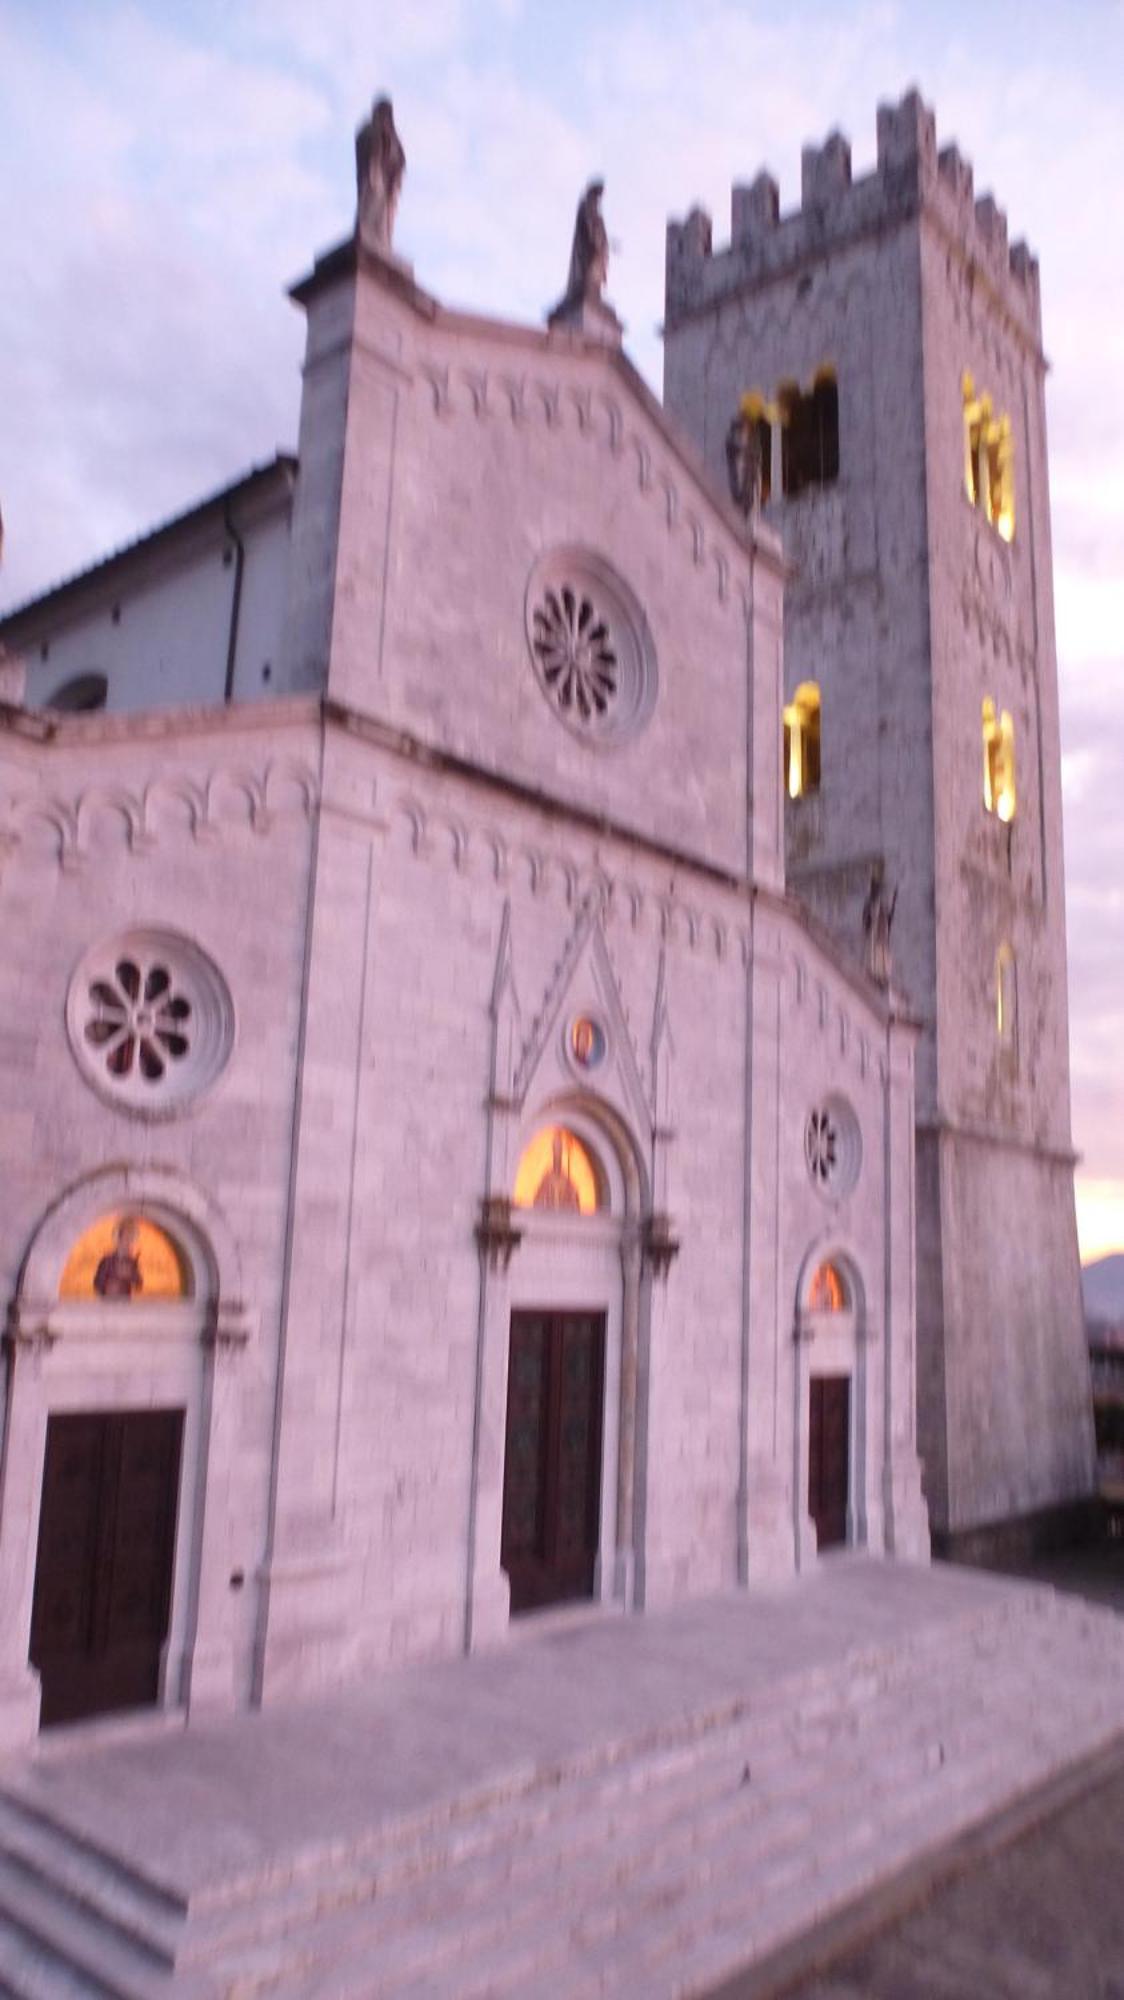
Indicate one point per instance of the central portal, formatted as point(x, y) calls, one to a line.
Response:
point(552, 1465)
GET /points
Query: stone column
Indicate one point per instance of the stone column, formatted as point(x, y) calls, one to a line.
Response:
point(21, 1479)
point(208, 1664)
point(624, 1570)
point(765, 1530)
point(488, 1592)
point(806, 1540)
point(865, 1506)
point(906, 1515)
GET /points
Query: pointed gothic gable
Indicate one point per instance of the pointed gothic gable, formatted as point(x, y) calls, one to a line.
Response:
point(585, 987)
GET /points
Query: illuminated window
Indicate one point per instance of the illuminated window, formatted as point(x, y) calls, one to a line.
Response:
point(809, 434)
point(989, 468)
point(828, 1290)
point(125, 1257)
point(999, 762)
point(1006, 998)
point(802, 741)
point(558, 1173)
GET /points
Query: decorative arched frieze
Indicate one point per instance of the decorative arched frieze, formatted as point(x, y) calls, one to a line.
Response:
point(201, 807)
point(436, 379)
point(598, 415)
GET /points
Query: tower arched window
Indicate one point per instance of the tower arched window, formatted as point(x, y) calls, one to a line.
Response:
point(999, 790)
point(802, 741)
point(809, 433)
point(1007, 999)
point(989, 460)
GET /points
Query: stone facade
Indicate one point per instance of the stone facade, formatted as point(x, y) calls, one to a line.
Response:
point(397, 884)
point(916, 599)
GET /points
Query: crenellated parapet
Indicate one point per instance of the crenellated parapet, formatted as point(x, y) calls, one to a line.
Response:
point(911, 175)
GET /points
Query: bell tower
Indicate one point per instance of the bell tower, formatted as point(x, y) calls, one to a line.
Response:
point(884, 345)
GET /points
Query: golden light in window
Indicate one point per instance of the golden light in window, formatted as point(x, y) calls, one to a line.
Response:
point(989, 462)
point(557, 1173)
point(999, 762)
point(801, 718)
point(828, 1290)
point(125, 1256)
point(1006, 996)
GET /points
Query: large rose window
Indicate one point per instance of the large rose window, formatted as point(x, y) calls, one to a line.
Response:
point(590, 647)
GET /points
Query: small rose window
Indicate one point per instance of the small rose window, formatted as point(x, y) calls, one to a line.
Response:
point(150, 1020)
point(137, 1020)
point(833, 1147)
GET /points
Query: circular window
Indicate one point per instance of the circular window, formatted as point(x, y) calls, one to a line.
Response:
point(150, 1021)
point(590, 646)
point(833, 1147)
point(586, 1043)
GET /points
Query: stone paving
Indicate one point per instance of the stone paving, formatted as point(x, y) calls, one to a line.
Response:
point(1041, 1919)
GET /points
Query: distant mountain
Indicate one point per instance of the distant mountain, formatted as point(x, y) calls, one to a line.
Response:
point(1102, 1285)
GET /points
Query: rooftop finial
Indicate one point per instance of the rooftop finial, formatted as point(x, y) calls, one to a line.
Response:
point(380, 163)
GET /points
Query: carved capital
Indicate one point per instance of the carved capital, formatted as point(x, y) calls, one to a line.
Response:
point(227, 1325)
point(660, 1243)
point(496, 1232)
point(28, 1328)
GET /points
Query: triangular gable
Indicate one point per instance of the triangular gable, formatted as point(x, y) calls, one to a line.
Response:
point(585, 983)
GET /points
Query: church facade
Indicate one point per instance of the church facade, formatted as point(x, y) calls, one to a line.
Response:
point(446, 1172)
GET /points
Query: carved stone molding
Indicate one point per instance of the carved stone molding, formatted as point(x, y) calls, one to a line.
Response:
point(28, 1328)
point(227, 1325)
point(207, 807)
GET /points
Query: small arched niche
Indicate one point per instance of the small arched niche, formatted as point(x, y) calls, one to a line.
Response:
point(560, 1173)
point(125, 1257)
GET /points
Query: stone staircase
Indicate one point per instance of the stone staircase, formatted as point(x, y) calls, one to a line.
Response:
point(655, 1865)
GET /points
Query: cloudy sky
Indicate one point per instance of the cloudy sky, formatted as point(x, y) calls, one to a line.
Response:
point(165, 171)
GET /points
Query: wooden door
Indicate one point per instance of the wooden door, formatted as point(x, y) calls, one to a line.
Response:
point(552, 1464)
point(829, 1468)
point(103, 1574)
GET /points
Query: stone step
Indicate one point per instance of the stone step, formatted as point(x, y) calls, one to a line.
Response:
point(623, 1896)
point(367, 1929)
point(545, 1877)
point(406, 1852)
point(559, 1819)
point(77, 1948)
point(96, 1882)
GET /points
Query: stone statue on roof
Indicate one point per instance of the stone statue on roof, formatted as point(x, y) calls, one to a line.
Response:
point(743, 462)
point(380, 163)
point(878, 918)
point(589, 257)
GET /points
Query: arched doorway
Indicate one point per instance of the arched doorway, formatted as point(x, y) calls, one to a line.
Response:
point(110, 1493)
point(128, 1292)
point(830, 1414)
point(572, 1317)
